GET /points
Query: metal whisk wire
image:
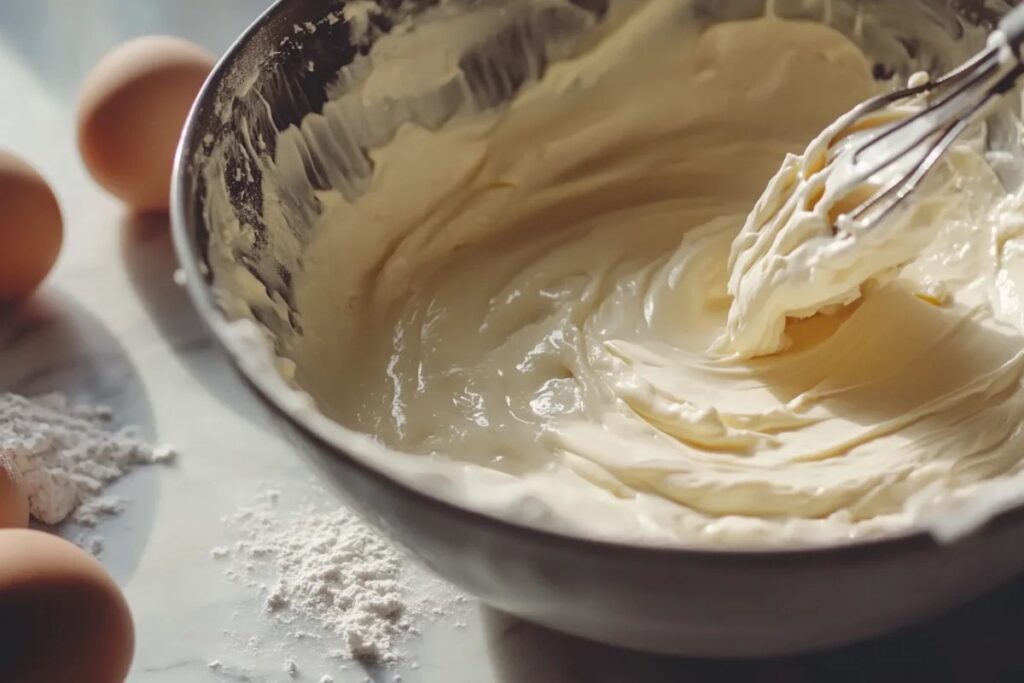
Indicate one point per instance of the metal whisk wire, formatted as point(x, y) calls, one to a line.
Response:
point(961, 97)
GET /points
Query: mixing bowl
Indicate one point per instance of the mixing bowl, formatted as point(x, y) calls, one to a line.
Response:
point(667, 600)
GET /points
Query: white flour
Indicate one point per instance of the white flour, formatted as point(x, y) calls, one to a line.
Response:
point(67, 454)
point(326, 577)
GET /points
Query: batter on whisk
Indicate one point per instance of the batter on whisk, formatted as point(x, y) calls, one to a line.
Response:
point(848, 211)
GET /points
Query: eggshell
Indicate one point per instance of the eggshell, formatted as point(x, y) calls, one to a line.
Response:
point(31, 229)
point(13, 497)
point(131, 112)
point(62, 618)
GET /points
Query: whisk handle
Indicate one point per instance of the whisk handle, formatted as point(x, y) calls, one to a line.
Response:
point(1012, 26)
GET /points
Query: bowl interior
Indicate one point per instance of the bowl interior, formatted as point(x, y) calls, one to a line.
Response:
point(288, 66)
point(304, 56)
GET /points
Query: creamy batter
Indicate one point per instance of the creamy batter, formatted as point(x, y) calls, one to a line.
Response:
point(565, 311)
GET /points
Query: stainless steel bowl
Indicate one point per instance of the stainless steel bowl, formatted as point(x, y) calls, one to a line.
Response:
point(671, 600)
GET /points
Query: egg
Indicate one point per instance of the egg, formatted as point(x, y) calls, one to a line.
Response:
point(132, 108)
point(31, 228)
point(62, 618)
point(13, 497)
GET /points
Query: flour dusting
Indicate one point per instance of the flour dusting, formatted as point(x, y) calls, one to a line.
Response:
point(326, 577)
point(67, 454)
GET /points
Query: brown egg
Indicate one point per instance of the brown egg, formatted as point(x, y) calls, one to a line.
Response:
point(31, 229)
point(62, 618)
point(13, 498)
point(131, 113)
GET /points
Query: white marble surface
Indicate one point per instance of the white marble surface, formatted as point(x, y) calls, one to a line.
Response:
point(111, 327)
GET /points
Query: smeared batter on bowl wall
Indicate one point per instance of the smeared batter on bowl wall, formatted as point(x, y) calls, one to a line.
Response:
point(527, 305)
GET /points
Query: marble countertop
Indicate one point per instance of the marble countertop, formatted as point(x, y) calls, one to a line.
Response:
point(111, 327)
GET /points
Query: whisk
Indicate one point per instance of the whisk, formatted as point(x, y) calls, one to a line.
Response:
point(911, 146)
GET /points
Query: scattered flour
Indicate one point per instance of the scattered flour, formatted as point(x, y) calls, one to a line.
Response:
point(291, 668)
point(91, 543)
point(66, 456)
point(89, 512)
point(323, 576)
